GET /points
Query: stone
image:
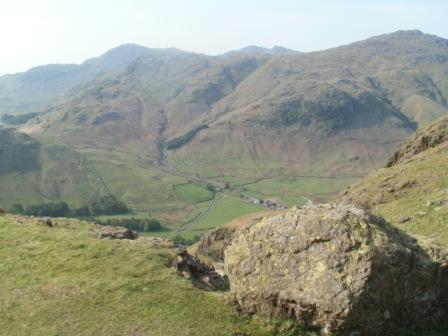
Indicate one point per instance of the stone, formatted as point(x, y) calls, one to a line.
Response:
point(158, 242)
point(46, 221)
point(201, 274)
point(115, 232)
point(404, 219)
point(340, 269)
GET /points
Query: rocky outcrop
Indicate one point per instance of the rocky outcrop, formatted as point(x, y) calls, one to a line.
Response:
point(202, 275)
point(424, 139)
point(115, 232)
point(340, 269)
point(157, 242)
point(214, 243)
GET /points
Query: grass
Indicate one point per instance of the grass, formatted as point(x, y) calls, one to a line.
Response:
point(222, 211)
point(419, 201)
point(191, 193)
point(296, 190)
point(64, 281)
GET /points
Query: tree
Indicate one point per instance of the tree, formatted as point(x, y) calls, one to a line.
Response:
point(17, 209)
point(108, 205)
point(82, 211)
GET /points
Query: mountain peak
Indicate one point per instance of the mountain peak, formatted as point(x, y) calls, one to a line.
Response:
point(257, 50)
point(118, 56)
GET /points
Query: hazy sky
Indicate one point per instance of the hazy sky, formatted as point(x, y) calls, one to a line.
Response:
point(35, 32)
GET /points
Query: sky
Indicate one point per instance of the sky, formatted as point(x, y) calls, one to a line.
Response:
point(36, 32)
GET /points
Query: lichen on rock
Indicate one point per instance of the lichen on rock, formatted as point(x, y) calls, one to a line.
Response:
point(340, 269)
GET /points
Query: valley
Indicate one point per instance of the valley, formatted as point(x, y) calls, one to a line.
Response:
point(272, 125)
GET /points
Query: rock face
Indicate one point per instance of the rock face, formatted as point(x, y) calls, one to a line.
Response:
point(340, 269)
point(215, 242)
point(200, 274)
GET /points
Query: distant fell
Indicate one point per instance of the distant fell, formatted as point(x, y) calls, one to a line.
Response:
point(256, 50)
point(33, 90)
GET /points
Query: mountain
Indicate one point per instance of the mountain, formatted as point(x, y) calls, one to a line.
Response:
point(156, 97)
point(33, 90)
point(256, 50)
point(293, 114)
point(411, 191)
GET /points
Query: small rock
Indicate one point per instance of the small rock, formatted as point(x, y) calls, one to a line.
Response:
point(404, 219)
point(421, 213)
point(115, 232)
point(45, 220)
point(158, 242)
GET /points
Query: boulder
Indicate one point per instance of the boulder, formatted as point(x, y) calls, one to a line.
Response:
point(340, 269)
point(115, 232)
point(2, 211)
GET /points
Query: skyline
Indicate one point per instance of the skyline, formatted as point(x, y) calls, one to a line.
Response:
point(52, 31)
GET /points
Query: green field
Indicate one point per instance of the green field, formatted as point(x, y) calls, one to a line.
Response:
point(191, 193)
point(297, 190)
point(213, 214)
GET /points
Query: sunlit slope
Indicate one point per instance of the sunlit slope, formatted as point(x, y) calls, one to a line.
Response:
point(412, 192)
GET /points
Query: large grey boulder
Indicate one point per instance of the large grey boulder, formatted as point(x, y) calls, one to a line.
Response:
point(340, 269)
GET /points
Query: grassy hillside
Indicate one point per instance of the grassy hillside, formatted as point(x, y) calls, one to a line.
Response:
point(412, 192)
point(34, 171)
point(64, 281)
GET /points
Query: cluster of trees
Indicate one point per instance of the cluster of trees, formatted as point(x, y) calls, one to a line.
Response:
point(184, 139)
point(107, 205)
point(9, 119)
point(54, 209)
point(136, 224)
